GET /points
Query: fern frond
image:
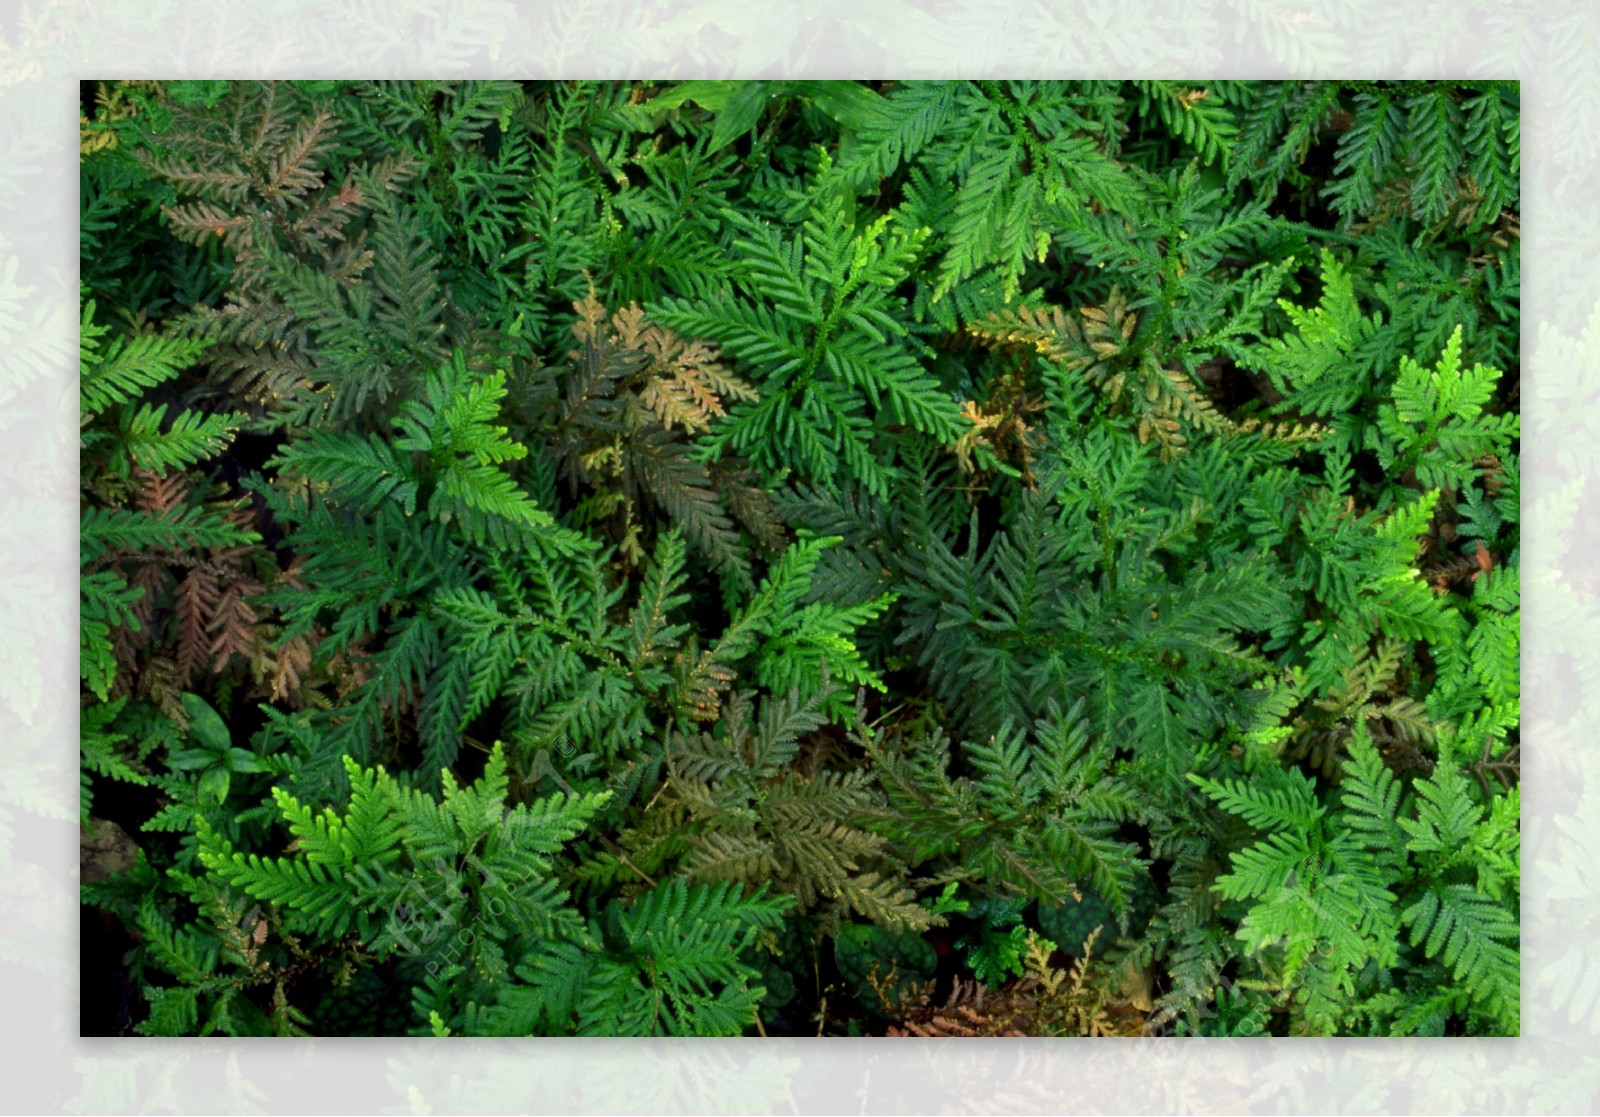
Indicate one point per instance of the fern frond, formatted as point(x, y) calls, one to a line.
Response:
point(122, 370)
point(1475, 936)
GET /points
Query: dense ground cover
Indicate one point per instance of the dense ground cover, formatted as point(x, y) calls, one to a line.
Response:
point(800, 558)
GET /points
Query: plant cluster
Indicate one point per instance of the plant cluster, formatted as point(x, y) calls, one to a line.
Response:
point(734, 558)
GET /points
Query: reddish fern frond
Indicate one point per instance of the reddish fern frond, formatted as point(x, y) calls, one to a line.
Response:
point(233, 625)
point(231, 185)
point(684, 382)
point(160, 495)
point(194, 604)
point(1046, 1001)
point(1099, 343)
point(961, 1021)
point(971, 1009)
point(324, 220)
point(291, 171)
point(198, 222)
point(290, 665)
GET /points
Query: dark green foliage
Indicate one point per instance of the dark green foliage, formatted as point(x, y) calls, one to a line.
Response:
point(670, 963)
point(815, 318)
point(1040, 812)
point(774, 557)
point(876, 959)
point(740, 804)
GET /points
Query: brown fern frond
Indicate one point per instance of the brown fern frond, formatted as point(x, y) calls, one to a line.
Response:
point(1099, 344)
point(255, 172)
point(1046, 1001)
point(1292, 433)
point(685, 383)
point(272, 379)
point(193, 606)
point(161, 495)
point(288, 170)
point(1048, 330)
point(1452, 569)
point(967, 1012)
point(755, 818)
point(633, 393)
point(198, 222)
point(230, 185)
point(627, 324)
point(1507, 769)
point(390, 174)
point(694, 800)
point(251, 322)
point(233, 626)
point(1000, 423)
point(1410, 720)
point(290, 665)
point(351, 669)
point(685, 402)
point(672, 380)
point(323, 222)
point(702, 682)
point(588, 329)
point(1194, 405)
point(885, 901)
point(159, 682)
point(260, 347)
point(347, 260)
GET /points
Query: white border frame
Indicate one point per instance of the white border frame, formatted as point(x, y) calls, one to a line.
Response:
point(48, 46)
